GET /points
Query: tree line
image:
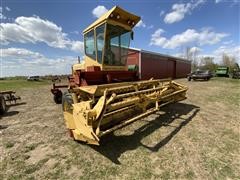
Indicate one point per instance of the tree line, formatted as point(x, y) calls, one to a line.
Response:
point(207, 62)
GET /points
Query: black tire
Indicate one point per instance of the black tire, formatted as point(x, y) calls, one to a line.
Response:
point(3, 107)
point(58, 97)
point(189, 78)
point(67, 102)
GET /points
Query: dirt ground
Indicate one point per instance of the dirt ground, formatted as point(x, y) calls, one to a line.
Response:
point(197, 138)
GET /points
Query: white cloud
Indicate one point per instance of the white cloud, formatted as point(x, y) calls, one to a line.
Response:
point(162, 12)
point(77, 46)
point(99, 11)
point(33, 30)
point(141, 24)
point(228, 42)
point(2, 16)
point(217, 1)
point(150, 27)
point(157, 39)
point(178, 13)
point(20, 53)
point(233, 51)
point(19, 61)
point(180, 10)
point(195, 50)
point(7, 8)
point(188, 37)
point(75, 32)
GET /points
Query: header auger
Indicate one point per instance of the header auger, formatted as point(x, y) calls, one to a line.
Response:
point(103, 93)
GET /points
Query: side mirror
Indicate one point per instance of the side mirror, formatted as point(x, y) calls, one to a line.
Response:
point(132, 34)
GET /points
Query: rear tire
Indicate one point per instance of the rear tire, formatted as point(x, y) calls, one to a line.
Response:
point(58, 97)
point(3, 107)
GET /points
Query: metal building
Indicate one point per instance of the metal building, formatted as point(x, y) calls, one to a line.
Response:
point(158, 66)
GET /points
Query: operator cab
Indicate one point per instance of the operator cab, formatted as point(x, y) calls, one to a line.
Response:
point(106, 41)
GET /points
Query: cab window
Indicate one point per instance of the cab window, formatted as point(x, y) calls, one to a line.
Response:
point(90, 45)
point(117, 44)
point(100, 42)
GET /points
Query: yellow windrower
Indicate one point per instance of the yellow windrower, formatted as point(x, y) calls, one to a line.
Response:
point(93, 111)
point(105, 108)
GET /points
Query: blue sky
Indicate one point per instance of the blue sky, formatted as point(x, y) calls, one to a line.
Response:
point(42, 37)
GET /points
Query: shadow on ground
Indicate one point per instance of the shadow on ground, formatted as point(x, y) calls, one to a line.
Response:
point(112, 146)
point(18, 104)
point(9, 112)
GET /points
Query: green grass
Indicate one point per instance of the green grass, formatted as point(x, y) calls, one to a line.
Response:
point(35, 167)
point(229, 91)
point(9, 144)
point(206, 148)
point(30, 147)
point(227, 80)
point(18, 84)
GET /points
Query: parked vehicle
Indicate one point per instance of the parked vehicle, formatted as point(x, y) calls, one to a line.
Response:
point(199, 74)
point(222, 71)
point(33, 78)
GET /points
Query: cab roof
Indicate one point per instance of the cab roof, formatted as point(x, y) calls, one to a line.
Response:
point(124, 18)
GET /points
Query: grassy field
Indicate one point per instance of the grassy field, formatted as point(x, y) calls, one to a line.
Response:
point(14, 84)
point(197, 138)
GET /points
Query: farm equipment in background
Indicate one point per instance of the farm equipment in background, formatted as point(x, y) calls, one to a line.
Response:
point(222, 72)
point(236, 74)
point(103, 93)
point(7, 98)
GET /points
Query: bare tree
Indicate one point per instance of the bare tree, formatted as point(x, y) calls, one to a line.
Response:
point(192, 55)
point(229, 61)
point(207, 63)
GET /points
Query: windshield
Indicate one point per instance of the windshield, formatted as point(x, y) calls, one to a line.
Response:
point(116, 47)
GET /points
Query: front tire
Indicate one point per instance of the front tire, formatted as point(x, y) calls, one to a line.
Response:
point(67, 102)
